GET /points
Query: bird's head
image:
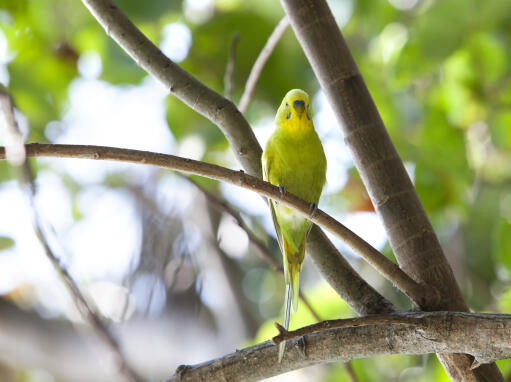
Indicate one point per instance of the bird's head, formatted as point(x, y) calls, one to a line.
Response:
point(294, 111)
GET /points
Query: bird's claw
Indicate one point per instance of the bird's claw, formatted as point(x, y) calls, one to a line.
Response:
point(282, 189)
point(313, 208)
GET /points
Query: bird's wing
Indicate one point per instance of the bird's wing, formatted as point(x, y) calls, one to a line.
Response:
point(267, 161)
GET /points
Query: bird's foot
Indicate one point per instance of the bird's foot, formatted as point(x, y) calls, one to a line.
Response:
point(313, 209)
point(282, 190)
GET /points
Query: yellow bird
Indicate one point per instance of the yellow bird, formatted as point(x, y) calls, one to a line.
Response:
point(294, 160)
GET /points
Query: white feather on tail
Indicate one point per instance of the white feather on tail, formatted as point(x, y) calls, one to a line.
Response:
point(285, 321)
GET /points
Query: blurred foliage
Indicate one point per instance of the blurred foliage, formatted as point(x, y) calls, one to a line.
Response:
point(6, 242)
point(439, 72)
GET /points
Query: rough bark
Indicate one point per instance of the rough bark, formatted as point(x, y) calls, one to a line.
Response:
point(484, 336)
point(410, 233)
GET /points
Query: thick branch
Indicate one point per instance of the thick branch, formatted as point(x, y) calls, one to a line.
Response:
point(410, 233)
point(388, 269)
point(233, 125)
point(484, 336)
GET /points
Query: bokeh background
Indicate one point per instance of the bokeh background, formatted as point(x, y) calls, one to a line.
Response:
point(177, 280)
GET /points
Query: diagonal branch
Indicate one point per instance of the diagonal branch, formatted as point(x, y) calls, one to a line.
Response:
point(484, 336)
point(357, 293)
point(386, 267)
point(261, 61)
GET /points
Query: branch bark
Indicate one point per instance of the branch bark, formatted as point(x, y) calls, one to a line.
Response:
point(484, 336)
point(388, 269)
point(231, 122)
point(410, 233)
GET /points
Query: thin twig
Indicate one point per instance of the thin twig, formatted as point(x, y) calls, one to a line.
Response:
point(415, 291)
point(27, 177)
point(232, 276)
point(229, 70)
point(309, 306)
point(261, 61)
point(81, 303)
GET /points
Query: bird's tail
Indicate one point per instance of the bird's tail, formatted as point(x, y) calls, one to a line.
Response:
point(285, 320)
point(292, 266)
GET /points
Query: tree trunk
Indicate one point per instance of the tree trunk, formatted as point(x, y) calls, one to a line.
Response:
point(410, 233)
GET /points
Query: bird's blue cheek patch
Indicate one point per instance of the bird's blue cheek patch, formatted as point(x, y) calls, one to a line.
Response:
point(288, 115)
point(308, 117)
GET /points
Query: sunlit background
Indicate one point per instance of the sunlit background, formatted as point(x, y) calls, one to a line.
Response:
point(177, 280)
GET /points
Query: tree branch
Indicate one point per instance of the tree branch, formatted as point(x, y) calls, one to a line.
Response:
point(229, 70)
point(386, 267)
point(240, 136)
point(410, 233)
point(484, 336)
point(261, 61)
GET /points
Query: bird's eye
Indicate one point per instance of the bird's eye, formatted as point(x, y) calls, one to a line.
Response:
point(287, 104)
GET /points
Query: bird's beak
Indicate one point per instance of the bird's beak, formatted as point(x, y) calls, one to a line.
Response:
point(299, 108)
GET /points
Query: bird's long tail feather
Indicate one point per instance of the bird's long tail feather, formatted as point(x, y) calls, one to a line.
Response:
point(292, 277)
point(294, 285)
point(285, 321)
